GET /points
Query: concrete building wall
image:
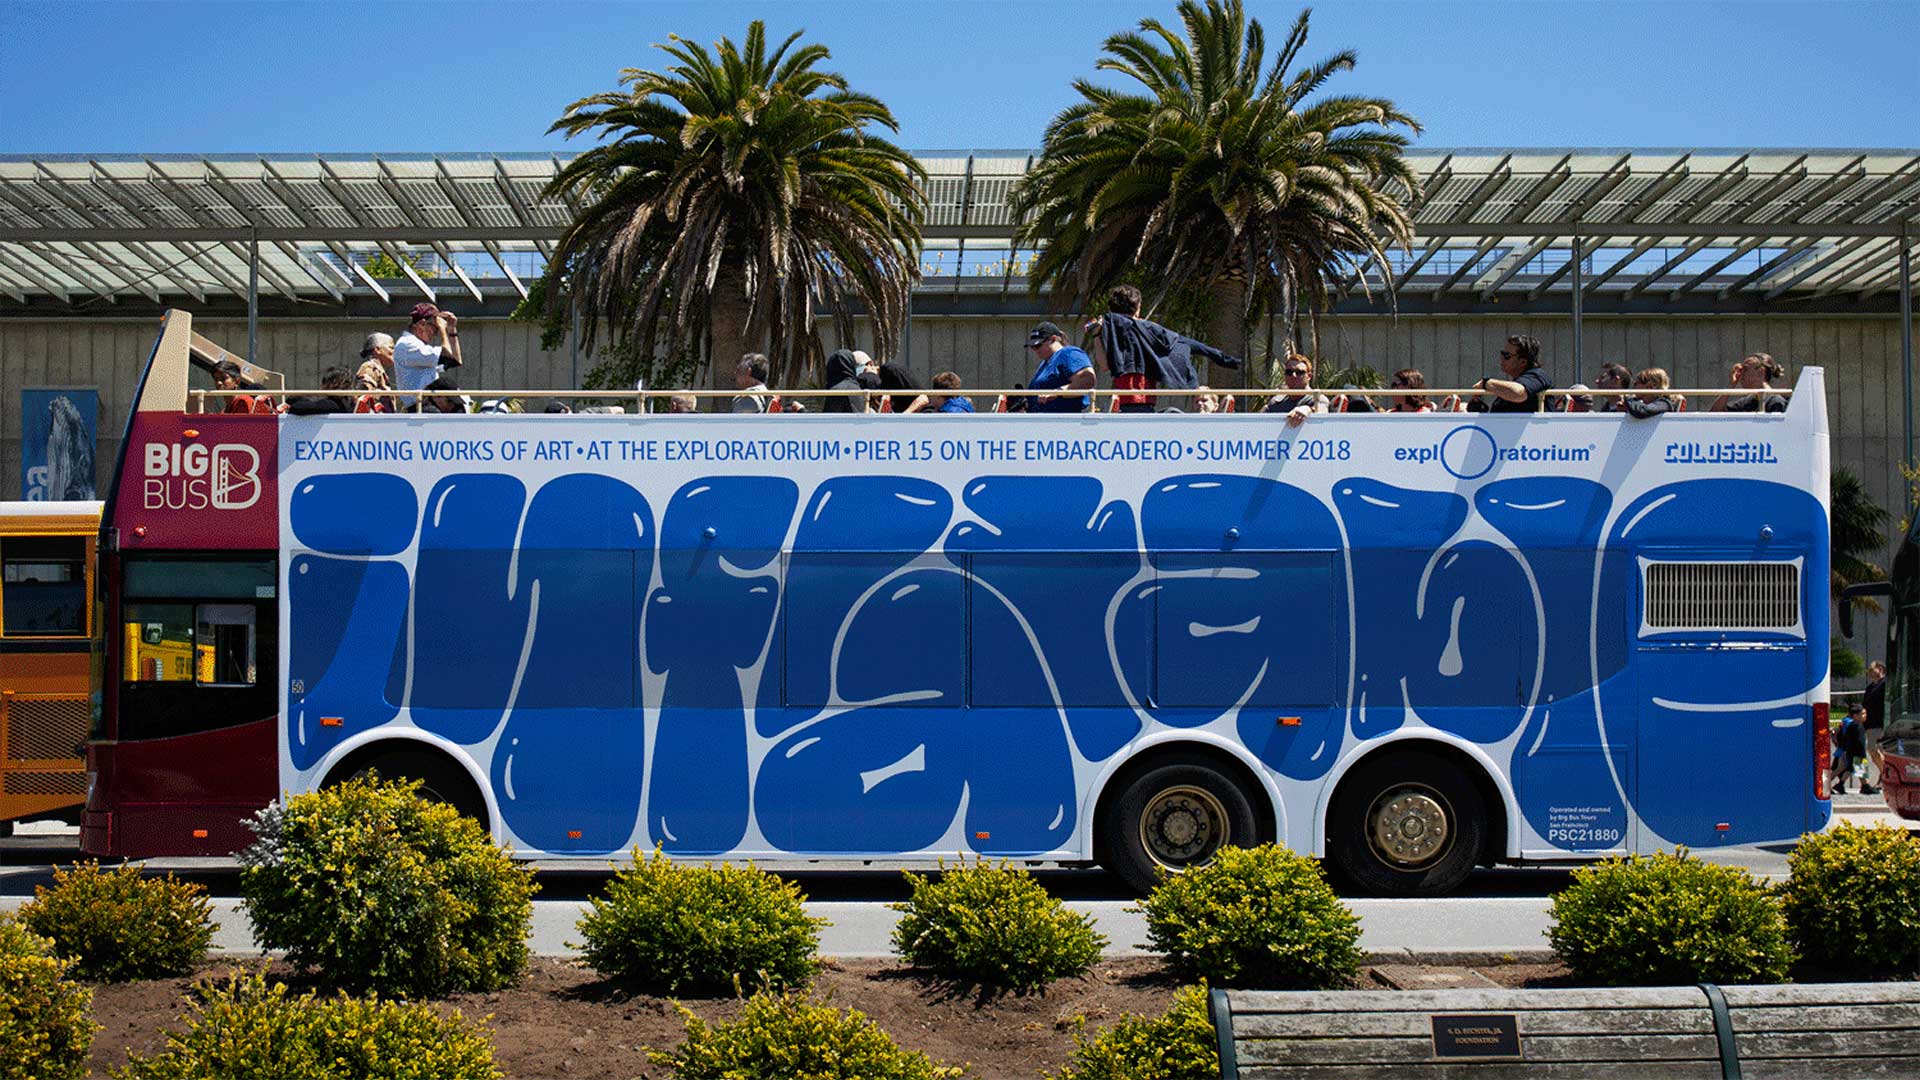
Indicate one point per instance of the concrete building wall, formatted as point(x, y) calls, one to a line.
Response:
point(1861, 355)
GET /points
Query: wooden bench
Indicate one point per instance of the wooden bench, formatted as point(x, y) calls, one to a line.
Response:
point(1750, 1032)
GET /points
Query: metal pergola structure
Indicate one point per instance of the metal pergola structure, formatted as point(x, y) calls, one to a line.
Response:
point(1559, 230)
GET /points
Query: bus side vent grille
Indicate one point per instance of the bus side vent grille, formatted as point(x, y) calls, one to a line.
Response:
point(43, 783)
point(1723, 595)
point(45, 729)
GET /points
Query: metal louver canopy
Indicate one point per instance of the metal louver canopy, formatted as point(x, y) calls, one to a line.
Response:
point(1764, 223)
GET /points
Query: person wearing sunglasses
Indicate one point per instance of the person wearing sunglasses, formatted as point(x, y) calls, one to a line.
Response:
point(1300, 401)
point(1611, 377)
point(1520, 390)
point(1412, 379)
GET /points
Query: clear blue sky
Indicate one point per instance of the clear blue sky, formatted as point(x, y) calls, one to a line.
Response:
point(358, 76)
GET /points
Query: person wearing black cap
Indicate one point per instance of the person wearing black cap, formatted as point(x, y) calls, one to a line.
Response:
point(1062, 367)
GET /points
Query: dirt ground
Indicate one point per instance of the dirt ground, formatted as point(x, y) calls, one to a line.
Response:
point(562, 1021)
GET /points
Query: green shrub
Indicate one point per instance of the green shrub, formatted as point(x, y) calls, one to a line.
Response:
point(1853, 901)
point(374, 888)
point(1669, 919)
point(45, 1031)
point(117, 925)
point(698, 929)
point(993, 925)
point(1255, 917)
point(784, 1035)
point(1176, 1046)
point(240, 1028)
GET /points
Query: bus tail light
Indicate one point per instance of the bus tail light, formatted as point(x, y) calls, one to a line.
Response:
point(1822, 750)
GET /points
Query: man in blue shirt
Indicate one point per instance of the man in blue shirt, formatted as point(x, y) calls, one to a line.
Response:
point(1062, 367)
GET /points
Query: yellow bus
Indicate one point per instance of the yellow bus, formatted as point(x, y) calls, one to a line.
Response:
point(46, 636)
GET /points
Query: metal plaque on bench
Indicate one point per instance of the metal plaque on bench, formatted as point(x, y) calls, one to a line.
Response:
point(1476, 1035)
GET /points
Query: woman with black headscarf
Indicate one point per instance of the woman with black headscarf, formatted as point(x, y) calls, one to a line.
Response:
point(907, 393)
point(843, 373)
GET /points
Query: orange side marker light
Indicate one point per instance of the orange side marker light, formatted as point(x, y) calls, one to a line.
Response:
point(1289, 721)
point(199, 834)
point(573, 834)
point(982, 836)
point(331, 721)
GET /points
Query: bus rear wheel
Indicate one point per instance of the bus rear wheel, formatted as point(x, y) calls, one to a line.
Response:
point(441, 780)
point(1407, 823)
point(1174, 815)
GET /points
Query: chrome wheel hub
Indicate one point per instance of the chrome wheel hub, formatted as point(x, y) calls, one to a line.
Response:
point(1183, 826)
point(1410, 827)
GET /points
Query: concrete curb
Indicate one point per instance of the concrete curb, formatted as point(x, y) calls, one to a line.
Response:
point(1460, 957)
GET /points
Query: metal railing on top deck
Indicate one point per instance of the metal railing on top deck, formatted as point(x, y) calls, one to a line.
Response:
point(197, 399)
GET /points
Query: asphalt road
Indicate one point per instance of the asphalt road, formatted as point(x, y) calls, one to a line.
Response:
point(1500, 911)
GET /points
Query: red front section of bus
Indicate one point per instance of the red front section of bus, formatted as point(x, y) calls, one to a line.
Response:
point(1900, 784)
point(190, 487)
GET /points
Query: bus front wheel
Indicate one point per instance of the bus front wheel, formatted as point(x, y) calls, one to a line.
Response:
point(441, 780)
point(1407, 823)
point(1174, 815)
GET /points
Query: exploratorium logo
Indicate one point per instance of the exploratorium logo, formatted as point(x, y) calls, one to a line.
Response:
point(1470, 451)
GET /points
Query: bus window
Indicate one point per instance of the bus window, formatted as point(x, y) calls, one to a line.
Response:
point(45, 586)
point(159, 641)
point(196, 635)
point(251, 579)
point(224, 645)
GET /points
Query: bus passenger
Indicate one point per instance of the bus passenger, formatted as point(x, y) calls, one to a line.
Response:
point(431, 343)
point(1409, 379)
point(334, 378)
point(1301, 400)
point(379, 349)
point(1206, 401)
point(1642, 406)
point(1143, 355)
point(1062, 367)
point(371, 381)
point(750, 378)
point(1578, 401)
point(1352, 400)
point(842, 374)
point(907, 395)
point(227, 378)
point(1755, 375)
point(950, 401)
point(1612, 377)
point(446, 397)
point(1524, 380)
point(683, 403)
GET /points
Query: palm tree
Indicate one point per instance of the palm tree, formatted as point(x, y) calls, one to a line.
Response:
point(729, 195)
point(1222, 182)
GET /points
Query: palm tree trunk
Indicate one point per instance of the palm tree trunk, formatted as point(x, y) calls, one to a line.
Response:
point(1228, 331)
point(727, 330)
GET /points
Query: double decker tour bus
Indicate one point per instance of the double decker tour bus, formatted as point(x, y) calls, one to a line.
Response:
point(1411, 644)
point(46, 652)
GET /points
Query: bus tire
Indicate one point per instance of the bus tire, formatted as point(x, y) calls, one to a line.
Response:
point(441, 780)
point(1407, 823)
point(1171, 816)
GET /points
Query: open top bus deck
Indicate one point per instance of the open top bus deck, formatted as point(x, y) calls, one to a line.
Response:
point(1411, 643)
